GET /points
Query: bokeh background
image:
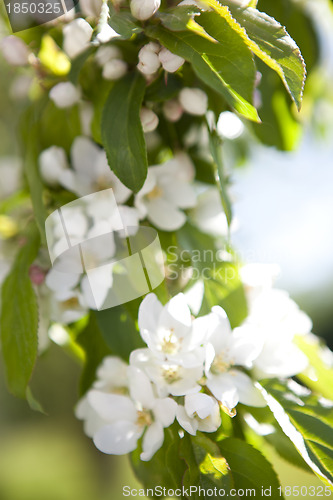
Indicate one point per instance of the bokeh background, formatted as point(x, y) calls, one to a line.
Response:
point(283, 204)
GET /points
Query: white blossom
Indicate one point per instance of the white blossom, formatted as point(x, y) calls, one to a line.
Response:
point(64, 95)
point(226, 350)
point(144, 9)
point(167, 191)
point(123, 420)
point(194, 101)
point(199, 413)
point(170, 62)
point(170, 377)
point(77, 35)
point(149, 61)
point(168, 330)
point(15, 50)
point(114, 69)
point(106, 53)
point(149, 120)
point(52, 162)
point(276, 319)
point(90, 171)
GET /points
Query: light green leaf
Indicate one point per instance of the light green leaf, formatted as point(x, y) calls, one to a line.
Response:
point(306, 420)
point(215, 65)
point(249, 468)
point(19, 319)
point(122, 134)
point(320, 379)
point(206, 466)
point(215, 145)
point(269, 41)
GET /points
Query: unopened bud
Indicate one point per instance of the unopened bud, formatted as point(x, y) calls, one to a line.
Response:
point(15, 51)
point(149, 61)
point(64, 95)
point(172, 110)
point(144, 9)
point(91, 8)
point(106, 53)
point(77, 35)
point(170, 62)
point(149, 120)
point(194, 101)
point(114, 69)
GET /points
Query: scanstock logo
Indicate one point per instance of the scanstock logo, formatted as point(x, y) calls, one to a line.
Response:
point(97, 246)
point(25, 14)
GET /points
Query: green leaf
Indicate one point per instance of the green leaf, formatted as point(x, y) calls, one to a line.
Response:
point(215, 145)
point(176, 19)
point(269, 41)
point(206, 466)
point(78, 63)
point(122, 134)
point(119, 331)
point(318, 354)
point(33, 403)
point(30, 133)
point(215, 65)
point(166, 468)
point(306, 420)
point(249, 468)
point(95, 348)
point(123, 23)
point(19, 319)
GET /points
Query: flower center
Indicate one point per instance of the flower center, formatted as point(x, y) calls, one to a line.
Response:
point(170, 343)
point(71, 303)
point(155, 193)
point(102, 182)
point(221, 364)
point(171, 374)
point(144, 418)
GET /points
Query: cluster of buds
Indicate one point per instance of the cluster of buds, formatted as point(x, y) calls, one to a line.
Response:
point(152, 56)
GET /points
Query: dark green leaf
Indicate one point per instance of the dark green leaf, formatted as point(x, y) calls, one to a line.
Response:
point(215, 65)
point(122, 134)
point(176, 19)
point(249, 468)
point(123, 23)
point(77, 65)
point(166, 468)
point(19, 319)
point(119, 331)
point(95, 348)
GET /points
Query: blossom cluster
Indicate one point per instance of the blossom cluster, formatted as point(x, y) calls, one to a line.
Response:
point(191, 369)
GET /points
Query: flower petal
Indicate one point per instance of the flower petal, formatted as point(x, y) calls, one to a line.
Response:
point(165, 411)
point(152, 441)
point(118, 438)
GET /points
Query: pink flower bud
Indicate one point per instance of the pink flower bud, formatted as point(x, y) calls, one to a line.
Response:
point(170, 62)
point(149, 120)
point(144, 9)
point(15, 51)
point(172, 110)
point(194, 101)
